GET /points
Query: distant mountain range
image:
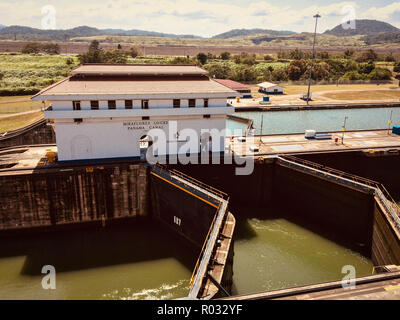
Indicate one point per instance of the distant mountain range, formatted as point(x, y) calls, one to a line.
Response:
point(363, 27)
point(28, 33)
point(381, 31)
point(249, 32)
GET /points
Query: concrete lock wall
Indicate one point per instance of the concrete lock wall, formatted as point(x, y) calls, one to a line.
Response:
point(382, 167)
point(40, 134)
point(340, 213)
point(71, 195)
point(250, 195)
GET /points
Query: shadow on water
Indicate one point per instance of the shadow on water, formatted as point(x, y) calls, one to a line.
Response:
point(79, 249)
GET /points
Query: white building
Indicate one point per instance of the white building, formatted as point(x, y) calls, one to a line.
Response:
point(104, 111)
point(270, 88)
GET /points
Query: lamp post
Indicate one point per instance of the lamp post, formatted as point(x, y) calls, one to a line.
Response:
point(344, 129)
point(313, 56)
point(390, 121)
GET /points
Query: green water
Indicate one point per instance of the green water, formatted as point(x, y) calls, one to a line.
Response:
point(146, 261)
point(275, 254)
point(128, 262)
point(287, 122)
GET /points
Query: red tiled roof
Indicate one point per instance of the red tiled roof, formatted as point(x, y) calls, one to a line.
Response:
point(232, 84)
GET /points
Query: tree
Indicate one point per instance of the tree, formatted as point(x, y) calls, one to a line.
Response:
point(94, 55)
point(280, 74)
point(366, 56)
point(202, 57)
point(119, 47)
point(135, 51)
point(296, 69)
point(51, 48)
point(366, 68)
point(323, 55)
point(94, 45)
point(236, 59)
point(69, 61)
point(268, 57)
point(219, 70)
point(115, 56)
point(353, 75)
point(349, 53)
point(225, 55)
point(380, 74)
point(31, 47)
point(249, 60)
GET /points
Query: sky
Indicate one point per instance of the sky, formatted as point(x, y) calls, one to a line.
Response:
point(199, 17)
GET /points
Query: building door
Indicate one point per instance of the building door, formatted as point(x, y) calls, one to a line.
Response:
point(81, 148)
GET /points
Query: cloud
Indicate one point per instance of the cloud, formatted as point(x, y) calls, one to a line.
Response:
point(201, 17)
point(386, 13)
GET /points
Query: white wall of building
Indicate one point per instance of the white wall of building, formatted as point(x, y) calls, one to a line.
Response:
point(116, 138)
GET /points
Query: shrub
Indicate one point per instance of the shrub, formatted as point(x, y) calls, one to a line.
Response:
point(268, 57)
point(135, 51)
point(202, 57)
point(225, 55)
point(380, 74)
point(31, 47)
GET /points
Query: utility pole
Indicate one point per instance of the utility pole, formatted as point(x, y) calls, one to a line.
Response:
point(313, 56)
point(261, 132)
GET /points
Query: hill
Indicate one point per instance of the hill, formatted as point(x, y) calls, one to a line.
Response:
point(2, 26)
point(28, 33)
point(363, 27)
point(249, 32)
point(382, 38)
point(136, 32)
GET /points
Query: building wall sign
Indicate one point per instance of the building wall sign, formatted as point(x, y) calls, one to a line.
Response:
point(146, 124)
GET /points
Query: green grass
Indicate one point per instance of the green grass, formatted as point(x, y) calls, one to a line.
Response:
point(27, 74)
point(18, 104)
point(20, 121)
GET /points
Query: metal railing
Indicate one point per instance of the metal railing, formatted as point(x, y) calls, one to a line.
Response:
point(203, 262)
point(200, 270)
point(335, 172)
point(173, 172)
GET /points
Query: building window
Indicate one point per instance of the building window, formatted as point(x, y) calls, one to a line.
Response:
point(94, 105)
point(192, 103)
point(177, 103)
point(128, 104)
point(112, 104)
point(206, 116)
point(76, 105)
point(145, 104)
point(205, 103)
point(145, 118)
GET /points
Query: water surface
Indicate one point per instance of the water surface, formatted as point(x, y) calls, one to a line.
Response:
point(128, 262)
point(275, 254)
point(287, 122)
